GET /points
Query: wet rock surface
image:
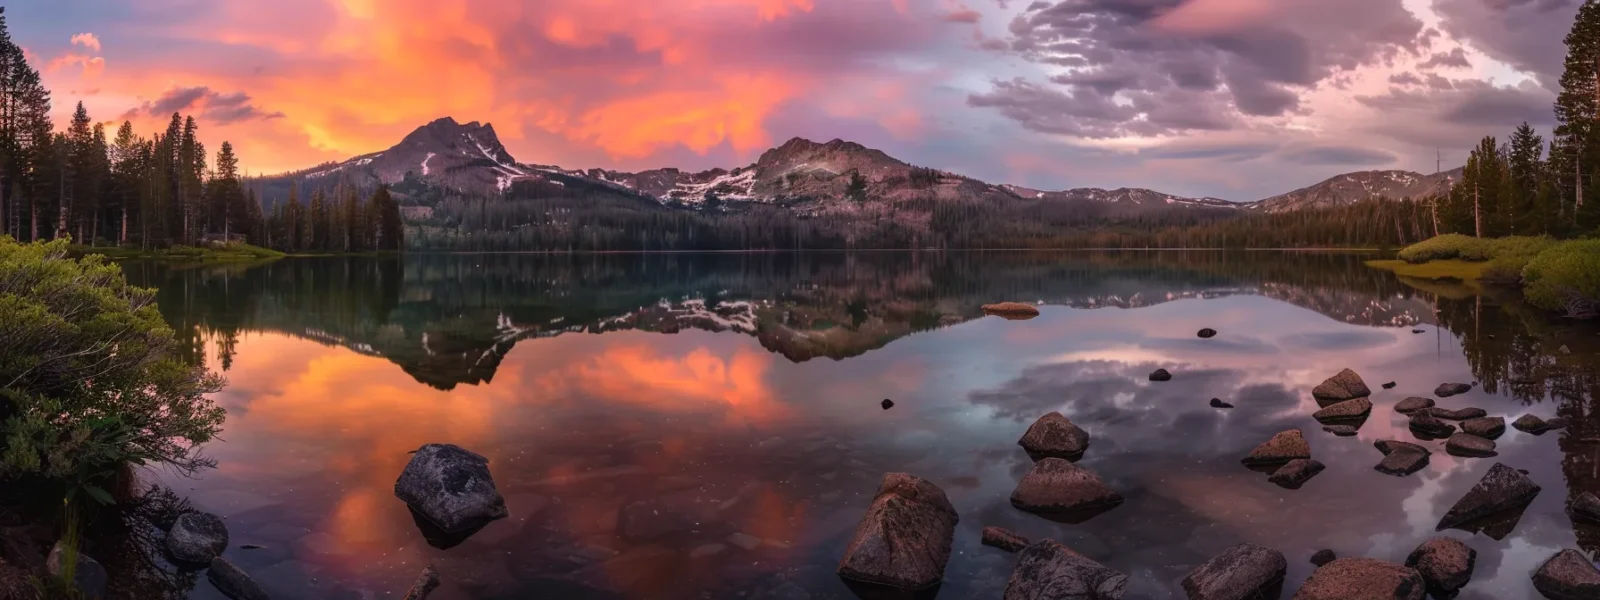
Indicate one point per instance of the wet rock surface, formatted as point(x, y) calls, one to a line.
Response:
point(1160, 375)
point(904, 540)
point(1004, 539)
point(1468, 445)
point(427, 581)
point(233, 582)
point(1055, 485)
point(1485, 427)
point(1054, 436)
point(1530, 424)
point(1413, 404)
point(1446, 390)
point(1568, 576)
point(1460, 414)
point(1445, 564)
point(197, 537)
point(1429, 426)
point(450, 487)
point(1283, 447)
point(1501, 489)
point(1401, 458)
point(1296, 473)
point(1586, 508)
point(1347, 385)
point(1047, 570)
point(1362, 579)
point(1243, 572)
point(1349, 410)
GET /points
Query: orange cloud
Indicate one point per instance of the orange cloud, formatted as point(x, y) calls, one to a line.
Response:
point(93, 66)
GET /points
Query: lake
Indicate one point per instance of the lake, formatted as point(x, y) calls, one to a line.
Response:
point(709, 426)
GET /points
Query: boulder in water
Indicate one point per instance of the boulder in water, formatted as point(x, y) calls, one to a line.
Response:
point(1430, 426)
point(1460, 414)
point(1586, 507)
point(1412, 405)
point(1501, 489)
point(1054, 436)
point(1445, 564)
point(1531, 424)
point(1401, 458)
point(903, 541)
point(1207, 333)
point(1160, 375)
point(1349, 410)
point(450, 487)
point(1390, 385)
point(1055, 485)
point(1282, 448)
point(1004, 539)
point(1218, 403)
point(1342, 430)
point(1485, 427)
point(887, 404)
point(1362, 579)
point(1296, 472)
point(1347, 385)
point(1468, 445)
point(1568, 576)
point(197, 537)
point(1047, 570)
point(1446, 390)
point(1243, 572)
point(233, 582)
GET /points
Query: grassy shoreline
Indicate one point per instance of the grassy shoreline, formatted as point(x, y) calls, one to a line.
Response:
point(1557, 276)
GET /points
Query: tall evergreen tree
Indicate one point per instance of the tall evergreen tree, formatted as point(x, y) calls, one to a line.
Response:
point(1579, 100)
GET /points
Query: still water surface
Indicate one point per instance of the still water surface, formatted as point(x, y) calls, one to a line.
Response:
point(737, 398)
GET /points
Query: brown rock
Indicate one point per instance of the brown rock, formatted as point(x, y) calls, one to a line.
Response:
point(1468, 445)
point(1015, 311)
point(1055, 485)
point(1296, 472)
point(1283, 447)
point(1485, 427)
point(1348, 410)
point(1362, 579)
point(1004, 539)
point(1460, 414)
point(1347, 385)
point(1446, 390)
point(1054, 436)
point(1401, 458)
point(1531, 424)
point(1445, 564)
point(1430, 426)
point(1413, 404)
point(1048, 570)
point(1586, 507)
point(1243, 572)
point(904, 539)
point(1568, 576)
point(1501, 489)
point(426, 582)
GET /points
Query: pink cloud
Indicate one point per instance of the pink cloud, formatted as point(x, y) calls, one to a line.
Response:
point(1205, 17)
point(87, 40)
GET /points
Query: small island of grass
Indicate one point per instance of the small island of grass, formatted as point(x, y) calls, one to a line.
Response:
point(1561, 276)
point(233, 252)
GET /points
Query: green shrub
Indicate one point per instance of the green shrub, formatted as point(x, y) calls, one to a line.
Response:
point(1565, 277)
point(1446, 247)
point(87, 377)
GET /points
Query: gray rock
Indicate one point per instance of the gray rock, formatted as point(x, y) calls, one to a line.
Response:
point(451, 487)
point(232, 582)
point(1053, 435)
point(1445, 564)
point(1401, 458)
point(1460, 414)
point(1296, 472)
point(1357, 408)
point(1428, 425)
point(1160, 375)
point(1485, 427)
point(1362, 579)
point(1446, 390)
point(1466, 444)
point(88, 575)
point(1342, 430)
point(1586, 507)
point(426, 583)
point(1347, 385)
point(1568, 576)
point(1322, 557)
point(1243, 572)
point(1283, 447)
point(1048, 570)
point(1004, 539)
point(197, 537)
point(1502, 488)
point(1413, 404)
point(904, 539)
point(1531, 424)
point(1054, 485)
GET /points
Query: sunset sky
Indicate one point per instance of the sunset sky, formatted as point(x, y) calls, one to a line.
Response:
point(1231, 98)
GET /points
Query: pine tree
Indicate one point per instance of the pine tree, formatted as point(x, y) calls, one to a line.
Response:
point(1579, 100)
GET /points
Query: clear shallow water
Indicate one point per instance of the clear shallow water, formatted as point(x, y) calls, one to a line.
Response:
point(739, 396)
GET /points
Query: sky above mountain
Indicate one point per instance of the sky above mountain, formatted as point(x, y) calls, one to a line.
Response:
point(1238, 99)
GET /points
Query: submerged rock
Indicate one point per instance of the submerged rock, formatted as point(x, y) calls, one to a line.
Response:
point(1531, 424)
point(451, 487)
point(1054, 436)
point(1323, 557)
point(1243, 572)
point(1401, 458)
point(1348, 410)
point(1362, 579)
point(1413, 404)
point(1011, 310)
point(1461, 414)
point(1430, 426)
point(1047, 570)
point(1446, 390)
point(1347, 385)
point(197, 537)
point(1207, 333)
point(1055, 485)
point(1568, 576)
point(1445, 564)
point(1342, 430)
point(426, 582)
point(1586, 507)
point(233, 582)
point(1485, 427)
point(1501, 489)
point(904, 539)
point(1296, 472)
point(1218, 403)
point(1160, 375)
point(1283, 447)
point(88, 575)
point(1468, 445)
point(1004, 539)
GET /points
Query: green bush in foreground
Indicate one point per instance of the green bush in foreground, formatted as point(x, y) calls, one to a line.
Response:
point(87, 381)
point(1565, 277)
point(1463, 247)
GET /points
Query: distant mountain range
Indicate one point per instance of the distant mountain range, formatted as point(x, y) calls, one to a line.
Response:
point(805, 176)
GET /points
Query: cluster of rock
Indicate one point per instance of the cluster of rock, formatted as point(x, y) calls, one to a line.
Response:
point(1289, 456)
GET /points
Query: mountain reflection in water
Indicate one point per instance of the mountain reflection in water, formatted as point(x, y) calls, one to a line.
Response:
point(728, 458)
